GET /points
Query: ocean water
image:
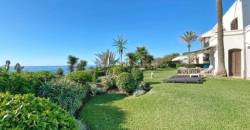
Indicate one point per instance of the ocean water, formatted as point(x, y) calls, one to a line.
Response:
point(44, 68)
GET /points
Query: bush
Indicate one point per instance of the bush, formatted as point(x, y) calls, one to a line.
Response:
point(23, 83)
point(65, 93)
point(116, 70)
point(59, 72)
point(97, 89)
point(108, 80)
point(28, 112)
point(80, 76)
point(126, 82)
point(94, 74)
point(137, 75)
point(42, 76)
point(4, 80)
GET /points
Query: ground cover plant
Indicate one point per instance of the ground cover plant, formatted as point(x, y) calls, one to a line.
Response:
point(65, 93)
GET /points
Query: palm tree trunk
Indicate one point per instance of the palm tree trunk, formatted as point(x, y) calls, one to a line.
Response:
point(121, 58)
point(189, 50)
point(221, 70)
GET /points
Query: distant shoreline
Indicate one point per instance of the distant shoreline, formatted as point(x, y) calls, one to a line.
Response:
point(45, 68)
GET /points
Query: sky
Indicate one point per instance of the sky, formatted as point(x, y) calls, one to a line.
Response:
point(45, 32)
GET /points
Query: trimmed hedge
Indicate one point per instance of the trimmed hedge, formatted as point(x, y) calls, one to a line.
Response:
point(28, 112)
point(80, 76)
point(23, 83)
point(126, 82)
point(65, 93)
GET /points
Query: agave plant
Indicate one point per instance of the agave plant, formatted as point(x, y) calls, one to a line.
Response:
point(105, 59)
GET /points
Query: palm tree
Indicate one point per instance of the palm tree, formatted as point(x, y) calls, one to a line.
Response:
point(188, 38)
point(221, 70)
point(7, 65)
point(72, 60)
point(81, 65)
point(131, 59)
point(120, 44)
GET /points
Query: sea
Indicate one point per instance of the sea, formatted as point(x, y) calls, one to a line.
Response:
point(45, 68)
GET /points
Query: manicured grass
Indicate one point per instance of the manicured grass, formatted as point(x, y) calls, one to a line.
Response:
point(218, 104)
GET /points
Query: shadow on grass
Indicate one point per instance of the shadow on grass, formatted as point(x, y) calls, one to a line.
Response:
point(153, 83)
point(100, 114)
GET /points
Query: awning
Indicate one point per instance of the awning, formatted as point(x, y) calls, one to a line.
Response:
point(180, 58)
point(204, 50)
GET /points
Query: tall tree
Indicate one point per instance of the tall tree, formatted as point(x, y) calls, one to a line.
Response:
point(131, 59)
point(149, 59)
point(188, 38)
point(7, 65)
point(141, 55)
point(221, 70)
point(81, 65)
point(72, 60)
point(18, 68)
point(120, 44)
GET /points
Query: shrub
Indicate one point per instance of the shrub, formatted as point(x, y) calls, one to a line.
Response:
point(23, 83)
point(94, 74)
point(97, 89)
point(108, 80)
point(126, 82)
point(137, 75)
point(116, 70)
point(59, 72)
point(28, 112)
point(19, 85)
point(3, 81)
point(65, 93)
point(80, 76)
point(41, 76)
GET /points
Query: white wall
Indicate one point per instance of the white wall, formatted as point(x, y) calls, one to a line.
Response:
point(232, 40)
point(235, 11)
point(248, 50)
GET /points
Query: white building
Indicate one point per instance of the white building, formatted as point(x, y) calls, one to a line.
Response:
point(236, 22)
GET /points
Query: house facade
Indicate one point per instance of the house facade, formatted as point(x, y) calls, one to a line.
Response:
point(236, 22)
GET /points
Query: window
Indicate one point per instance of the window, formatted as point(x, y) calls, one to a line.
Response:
point(234, 24)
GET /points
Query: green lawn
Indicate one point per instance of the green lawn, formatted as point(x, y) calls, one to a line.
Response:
point(218, 104)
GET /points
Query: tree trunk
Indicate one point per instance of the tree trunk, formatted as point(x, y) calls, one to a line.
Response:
point(189, 50)
point(221, 70)
point(121, 59)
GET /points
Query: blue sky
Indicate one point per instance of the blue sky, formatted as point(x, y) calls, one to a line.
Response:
point(45, 32)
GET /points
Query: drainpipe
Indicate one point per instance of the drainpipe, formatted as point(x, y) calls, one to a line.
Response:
point(244, 44)
point(245, 54)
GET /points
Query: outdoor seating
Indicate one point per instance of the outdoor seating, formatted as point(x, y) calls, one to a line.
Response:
point(191, 72)
point(184, 79)
point(187, 75)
